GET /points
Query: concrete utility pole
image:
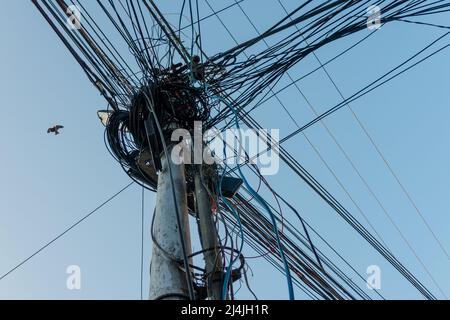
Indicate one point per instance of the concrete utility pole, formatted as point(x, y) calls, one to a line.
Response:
point(208, 234)
point(209, 239)
point(167, 279)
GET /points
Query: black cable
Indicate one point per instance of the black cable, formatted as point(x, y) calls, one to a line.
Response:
point(64, 232)
point(177, 213)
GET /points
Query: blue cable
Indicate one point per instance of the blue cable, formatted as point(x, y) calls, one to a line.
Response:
point(241, 229)
point(264, 204)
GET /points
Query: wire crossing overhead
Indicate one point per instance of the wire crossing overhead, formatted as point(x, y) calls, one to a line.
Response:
point(156, 76)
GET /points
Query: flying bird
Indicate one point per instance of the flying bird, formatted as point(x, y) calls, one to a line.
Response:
point(55, 129)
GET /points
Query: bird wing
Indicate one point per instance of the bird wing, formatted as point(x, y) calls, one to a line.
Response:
point(59, 127)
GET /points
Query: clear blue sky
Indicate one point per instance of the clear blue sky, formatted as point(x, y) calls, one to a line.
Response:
point(48, 182)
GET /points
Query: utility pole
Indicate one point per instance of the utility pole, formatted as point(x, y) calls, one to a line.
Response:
point(167, 275)
point(208, 238)
point(208, 233)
